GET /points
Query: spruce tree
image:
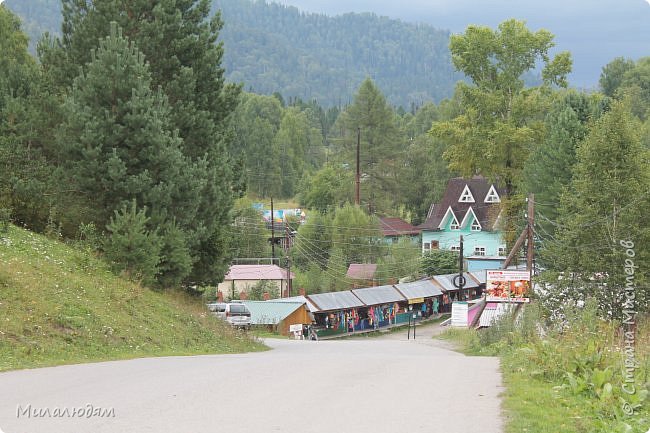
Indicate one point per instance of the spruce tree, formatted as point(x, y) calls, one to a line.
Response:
point(549, 168)
point(118, 148)
point(180, 44)
point(130, 245)
point(607, 202)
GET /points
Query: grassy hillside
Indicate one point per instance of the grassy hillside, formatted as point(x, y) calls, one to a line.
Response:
point(61, 305)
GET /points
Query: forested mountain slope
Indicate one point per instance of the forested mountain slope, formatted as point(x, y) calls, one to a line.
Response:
point(275, 48)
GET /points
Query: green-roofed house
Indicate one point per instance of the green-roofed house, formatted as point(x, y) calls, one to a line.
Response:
point(279, 315)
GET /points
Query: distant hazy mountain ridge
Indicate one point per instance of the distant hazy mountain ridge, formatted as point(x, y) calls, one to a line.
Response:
point(275, 48)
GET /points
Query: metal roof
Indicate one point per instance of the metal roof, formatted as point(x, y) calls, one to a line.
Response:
point(419, 289)
point(270, 312)
point(447, 281)
point(360, 271)
point(378, 295)
point(493, 312)
point(256, 272)
point(479, 276)
point(335, 301)
point(311, 307)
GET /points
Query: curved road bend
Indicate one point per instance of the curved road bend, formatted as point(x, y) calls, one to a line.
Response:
point(376, 385)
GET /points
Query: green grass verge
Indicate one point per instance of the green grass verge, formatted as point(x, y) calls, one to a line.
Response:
point(569, 382)
point(61, 305)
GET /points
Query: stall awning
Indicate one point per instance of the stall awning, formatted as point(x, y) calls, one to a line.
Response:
point(419, 289)
point(379, 295)
point(335, 301)
point(447, 281)
point(479, 276)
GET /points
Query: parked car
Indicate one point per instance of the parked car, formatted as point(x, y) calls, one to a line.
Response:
point(238, 315)
point(218, 308)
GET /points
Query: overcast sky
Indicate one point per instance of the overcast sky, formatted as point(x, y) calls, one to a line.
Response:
point(595, 31)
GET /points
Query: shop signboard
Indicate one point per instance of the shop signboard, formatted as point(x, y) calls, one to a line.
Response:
point(416, 300)
point(507, 286)
point(296, 330)
point(459, 312)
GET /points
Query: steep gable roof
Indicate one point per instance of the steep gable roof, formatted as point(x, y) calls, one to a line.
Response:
point(397, 227)
point(256, 272)
point(486, 213)
point(358, 271)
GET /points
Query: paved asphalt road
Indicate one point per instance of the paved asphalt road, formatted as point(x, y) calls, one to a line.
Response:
point(371, 385)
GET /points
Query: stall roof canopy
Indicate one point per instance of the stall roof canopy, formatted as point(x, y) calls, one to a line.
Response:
point(447, 281)
point(271, 312)
point(335, 301)
point(311, 307)
point(479, 276)
point(378, 295)
point(419, 289)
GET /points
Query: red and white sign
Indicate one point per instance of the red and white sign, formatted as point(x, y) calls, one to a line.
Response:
point(507, 286)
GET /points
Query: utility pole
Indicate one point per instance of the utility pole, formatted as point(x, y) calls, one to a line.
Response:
point(531, 233)
point(288, 234)
point(357, 179)
point(461, 277)
point(272, 235)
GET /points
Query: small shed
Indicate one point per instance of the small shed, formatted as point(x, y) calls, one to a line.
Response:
point(240, 279)
point(279, 315)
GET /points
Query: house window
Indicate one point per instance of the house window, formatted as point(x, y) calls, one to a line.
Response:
point(454, 225)
point(455, 248)
point(466, 196)
point(502, 251)
point(479, 251)
point(435, 245)
point(492, 196)
point(476, 226)
point(427, 246)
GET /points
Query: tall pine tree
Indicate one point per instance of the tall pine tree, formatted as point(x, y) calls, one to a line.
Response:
point(118, 148)
point(379, 150)
point(180, 43)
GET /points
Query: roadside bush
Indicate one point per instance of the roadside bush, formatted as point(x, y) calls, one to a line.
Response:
point(5, 219)
point(130, 246)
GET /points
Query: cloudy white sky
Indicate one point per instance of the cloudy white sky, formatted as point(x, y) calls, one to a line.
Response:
point(594, 31)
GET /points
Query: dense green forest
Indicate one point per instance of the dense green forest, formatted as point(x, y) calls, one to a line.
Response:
point(142, 149)
point(274, 48)
point(125, 138)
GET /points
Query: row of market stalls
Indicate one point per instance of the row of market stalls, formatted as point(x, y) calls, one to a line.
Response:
point(369, 308)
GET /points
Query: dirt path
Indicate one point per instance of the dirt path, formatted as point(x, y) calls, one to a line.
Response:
point(377, 385)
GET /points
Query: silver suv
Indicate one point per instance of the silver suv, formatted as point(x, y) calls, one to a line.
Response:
point(218, 309)
point(238, 315)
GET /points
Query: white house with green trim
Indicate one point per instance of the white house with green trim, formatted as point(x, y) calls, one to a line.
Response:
point(471, 208)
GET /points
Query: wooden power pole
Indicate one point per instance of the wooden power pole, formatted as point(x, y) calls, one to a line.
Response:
point(272, 234)
point(357, 178)
point(530, 253)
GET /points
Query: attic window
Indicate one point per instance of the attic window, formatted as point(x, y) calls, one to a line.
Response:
point(454, 225)
point(492, 196)
point(476, 226)
point(466, 196)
